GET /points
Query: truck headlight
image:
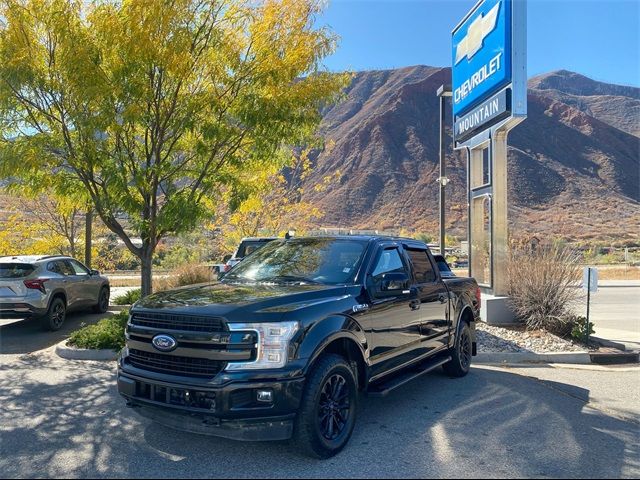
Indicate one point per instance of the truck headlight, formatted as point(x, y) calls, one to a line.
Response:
point(273, 344)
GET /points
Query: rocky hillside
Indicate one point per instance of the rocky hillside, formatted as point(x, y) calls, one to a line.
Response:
point(573, 164)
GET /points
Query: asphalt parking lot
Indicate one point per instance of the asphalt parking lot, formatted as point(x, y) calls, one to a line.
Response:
point(63, 418)
point(26, 336)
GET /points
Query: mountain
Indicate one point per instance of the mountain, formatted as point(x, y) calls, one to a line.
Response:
point(573, 163)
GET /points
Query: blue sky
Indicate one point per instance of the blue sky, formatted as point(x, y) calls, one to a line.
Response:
point(598, 38)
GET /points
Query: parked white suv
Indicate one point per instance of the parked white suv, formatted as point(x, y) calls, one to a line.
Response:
point(47, 287)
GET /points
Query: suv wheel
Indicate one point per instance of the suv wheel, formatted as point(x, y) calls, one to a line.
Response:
point(55, 316)
point(328, 410)
point(103, 301)
point(460, 362)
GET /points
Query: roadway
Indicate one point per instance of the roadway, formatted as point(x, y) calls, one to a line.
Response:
point(615, 312)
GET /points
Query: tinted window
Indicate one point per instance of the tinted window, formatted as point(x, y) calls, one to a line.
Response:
point(322, 260)
point(61, 267)
point(422, 266)
point(15, 270)
point(388, 261)
point(249, 246)
point(443, 266)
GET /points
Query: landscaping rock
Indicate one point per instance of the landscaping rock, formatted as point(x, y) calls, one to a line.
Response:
point(517, 339)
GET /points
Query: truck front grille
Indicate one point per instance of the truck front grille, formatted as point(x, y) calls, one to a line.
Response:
point(175, 365)
point(191, 323)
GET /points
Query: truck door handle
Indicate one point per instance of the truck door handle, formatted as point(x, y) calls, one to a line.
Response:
point(443, 298)
point(415, 304)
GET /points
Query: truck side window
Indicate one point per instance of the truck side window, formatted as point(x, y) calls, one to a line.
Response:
point(422, 266)
point(388, 261)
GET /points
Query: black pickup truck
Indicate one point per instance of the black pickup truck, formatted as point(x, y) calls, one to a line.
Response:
point(284, 344)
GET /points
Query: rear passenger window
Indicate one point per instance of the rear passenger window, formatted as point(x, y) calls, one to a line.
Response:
point(61, 267)
point(422, 266)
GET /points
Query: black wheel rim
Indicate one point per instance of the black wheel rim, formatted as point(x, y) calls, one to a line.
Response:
point(334, 408)
point(465, 349)
point(57, 315)
point(104, 300)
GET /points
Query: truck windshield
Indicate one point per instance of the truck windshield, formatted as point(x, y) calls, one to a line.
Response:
point(305, 260)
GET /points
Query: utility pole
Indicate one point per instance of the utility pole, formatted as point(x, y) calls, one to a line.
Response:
point(443, 92)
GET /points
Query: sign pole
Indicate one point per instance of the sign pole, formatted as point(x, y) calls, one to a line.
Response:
point(443, 92)
point(500, 233)
point(588, 301)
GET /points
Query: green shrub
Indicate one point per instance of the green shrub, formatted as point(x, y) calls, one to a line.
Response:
point(579, 329)
point(129, 298)
point(108, 333)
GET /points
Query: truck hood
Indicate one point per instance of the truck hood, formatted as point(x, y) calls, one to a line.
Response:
point(231, 299)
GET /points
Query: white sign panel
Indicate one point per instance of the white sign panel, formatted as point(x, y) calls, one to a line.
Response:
point(590, 282)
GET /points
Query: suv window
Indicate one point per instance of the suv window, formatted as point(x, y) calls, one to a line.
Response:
point(61, 267)
point(388, 261)
point(15, 270)
point(78, 268)
point(249, 246)
point(422, 266)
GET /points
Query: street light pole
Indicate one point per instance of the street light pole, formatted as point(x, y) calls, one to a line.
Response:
point(443, 92)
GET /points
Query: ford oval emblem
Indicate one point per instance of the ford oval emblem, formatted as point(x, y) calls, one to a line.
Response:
point(164, 343)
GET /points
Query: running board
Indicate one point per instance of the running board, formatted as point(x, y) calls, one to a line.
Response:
point(383, 388)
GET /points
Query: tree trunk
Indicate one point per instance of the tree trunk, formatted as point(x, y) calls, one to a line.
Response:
point(146, 258)
point(87, 237)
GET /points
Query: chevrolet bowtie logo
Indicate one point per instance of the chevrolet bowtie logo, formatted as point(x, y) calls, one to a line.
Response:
point(478, 30)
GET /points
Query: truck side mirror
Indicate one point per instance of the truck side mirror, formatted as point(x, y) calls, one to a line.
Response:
point(392, 284)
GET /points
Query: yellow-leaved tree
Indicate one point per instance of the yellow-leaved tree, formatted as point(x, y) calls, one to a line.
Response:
point(274, 203)
point(152, 107)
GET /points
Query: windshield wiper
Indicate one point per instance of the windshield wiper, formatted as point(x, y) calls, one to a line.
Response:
point(290, 278)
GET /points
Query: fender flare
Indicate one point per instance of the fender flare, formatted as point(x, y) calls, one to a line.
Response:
point(55, 293)
point(328, 330)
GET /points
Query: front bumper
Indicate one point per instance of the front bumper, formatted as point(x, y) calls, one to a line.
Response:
point(229, 411)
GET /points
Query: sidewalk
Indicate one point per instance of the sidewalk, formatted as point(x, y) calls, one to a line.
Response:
point(618, 283)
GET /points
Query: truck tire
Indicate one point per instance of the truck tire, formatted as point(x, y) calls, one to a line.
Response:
point(461, 353)
point(103, 301)
point(327, 412)
point(55, 316)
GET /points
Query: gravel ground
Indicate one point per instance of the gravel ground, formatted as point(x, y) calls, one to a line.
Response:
point(516, 339)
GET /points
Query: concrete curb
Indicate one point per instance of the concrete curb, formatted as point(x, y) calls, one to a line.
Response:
point(580, 358)
point(72, 353)
point(118, 308)
point(608, 343)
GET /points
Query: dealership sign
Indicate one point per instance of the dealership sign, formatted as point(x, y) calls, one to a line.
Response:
point(489, 67)
point(488, 112)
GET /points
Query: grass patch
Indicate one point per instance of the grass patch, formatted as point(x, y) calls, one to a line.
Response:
point(108, 333)
point(129, 298)
point(188, 274)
